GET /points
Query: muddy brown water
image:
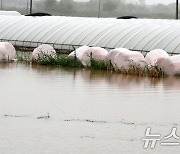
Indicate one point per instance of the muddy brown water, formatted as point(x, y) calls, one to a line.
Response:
point(90, 111)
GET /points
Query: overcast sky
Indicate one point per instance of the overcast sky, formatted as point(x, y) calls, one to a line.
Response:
point(159, 1)
point(150, 1)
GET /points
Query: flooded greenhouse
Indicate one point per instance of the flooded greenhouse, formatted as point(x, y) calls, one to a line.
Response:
point(82, 109)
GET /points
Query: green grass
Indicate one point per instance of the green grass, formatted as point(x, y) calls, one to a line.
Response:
point(64, 61)
point(153, 71)
point(24, 59)
point(99, 64)
point(59, 60)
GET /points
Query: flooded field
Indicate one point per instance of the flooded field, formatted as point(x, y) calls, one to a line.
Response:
point(89, 111)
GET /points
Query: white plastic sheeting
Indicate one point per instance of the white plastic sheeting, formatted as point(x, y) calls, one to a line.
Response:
point(124, 60)
point(170, 65)
point(96, 53)
point(7, 51)
point(112, 54)
point(153, 56)
point(43, 50)
point(12, 13)
point(73, 32)
point(78, 53)
point(84, 54)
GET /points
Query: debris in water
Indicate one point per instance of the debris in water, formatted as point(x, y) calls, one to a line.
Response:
point(47, 116)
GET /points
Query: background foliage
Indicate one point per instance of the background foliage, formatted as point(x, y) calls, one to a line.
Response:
point(109, 8)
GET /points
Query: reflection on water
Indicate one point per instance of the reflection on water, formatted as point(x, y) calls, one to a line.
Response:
point(112, 78)
point(87, 108)
point(108, 76)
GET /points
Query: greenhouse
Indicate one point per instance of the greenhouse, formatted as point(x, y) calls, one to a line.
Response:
point(11, 13)
point(69, 33)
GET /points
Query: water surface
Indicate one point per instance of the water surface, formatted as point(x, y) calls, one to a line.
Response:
point(90, 111)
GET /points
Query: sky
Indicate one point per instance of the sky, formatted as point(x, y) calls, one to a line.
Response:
point(147, 1)
point(160, 1)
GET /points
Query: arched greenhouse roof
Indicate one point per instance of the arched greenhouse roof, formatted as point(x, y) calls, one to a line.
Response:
point(12, 13)
point(71, 32)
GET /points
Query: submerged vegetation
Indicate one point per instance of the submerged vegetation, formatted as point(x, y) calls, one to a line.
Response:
point(100, 64)
point(58, 60)
point(64, 61)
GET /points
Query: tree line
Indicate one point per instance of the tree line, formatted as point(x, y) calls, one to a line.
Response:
point(108, 8)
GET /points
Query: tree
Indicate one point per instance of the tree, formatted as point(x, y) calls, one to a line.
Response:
point(50, 5)
point(66, 1)
point(109, 6)
point(66, 7)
